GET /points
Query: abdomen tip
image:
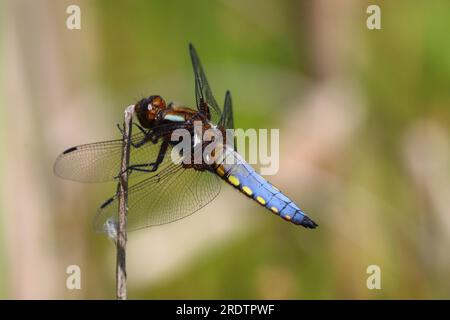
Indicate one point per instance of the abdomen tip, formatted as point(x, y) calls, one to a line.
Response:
point(307, 222)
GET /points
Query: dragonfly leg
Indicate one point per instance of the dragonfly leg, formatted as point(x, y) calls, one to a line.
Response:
point(135, 124)
point(153, 166)
point(140, 128)
point(152, 136)
point(142, 167)
point(147, 137)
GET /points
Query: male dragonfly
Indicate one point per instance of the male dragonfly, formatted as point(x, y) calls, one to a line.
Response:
point(167, 191)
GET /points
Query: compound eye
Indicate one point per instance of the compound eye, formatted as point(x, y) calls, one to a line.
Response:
point(149, 107)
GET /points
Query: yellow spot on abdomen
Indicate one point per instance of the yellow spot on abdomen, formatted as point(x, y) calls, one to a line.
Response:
point(233, 180)
point(220, 171)
point(287, 218)
point(260, 200)
point(275, 210)
point(247, 190)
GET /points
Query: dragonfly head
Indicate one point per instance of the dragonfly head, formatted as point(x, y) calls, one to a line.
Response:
point(148, 109)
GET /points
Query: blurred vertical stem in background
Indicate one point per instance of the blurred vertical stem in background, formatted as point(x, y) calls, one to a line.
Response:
point(121, 274)
point(3, 274)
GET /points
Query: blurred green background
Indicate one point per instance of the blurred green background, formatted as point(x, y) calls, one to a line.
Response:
point(364, 124)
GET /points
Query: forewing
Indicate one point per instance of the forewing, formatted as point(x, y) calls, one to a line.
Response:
point(100, 161)
point(206, 103)
point(227, 120)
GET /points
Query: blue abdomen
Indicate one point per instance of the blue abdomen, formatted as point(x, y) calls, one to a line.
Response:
point(242, 176)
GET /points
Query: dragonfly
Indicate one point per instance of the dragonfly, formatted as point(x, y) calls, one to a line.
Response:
point(165, 190)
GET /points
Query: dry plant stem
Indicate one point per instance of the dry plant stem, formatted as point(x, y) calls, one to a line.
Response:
point(121, 273)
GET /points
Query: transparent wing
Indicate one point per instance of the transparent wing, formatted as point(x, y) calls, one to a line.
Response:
point(205, 99)
point(172, 194)
point(227, 119)
point(100, 161)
